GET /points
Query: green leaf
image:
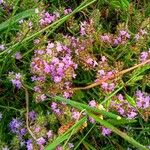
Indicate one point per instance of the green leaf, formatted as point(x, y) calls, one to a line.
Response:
point(66, 135)
point(117, 131)
point(16, 18)
point(82, 107)
point(78, 95)
point(122, 121)
point(130, 100)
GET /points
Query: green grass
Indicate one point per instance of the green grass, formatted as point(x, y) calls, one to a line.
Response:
point(108, 17)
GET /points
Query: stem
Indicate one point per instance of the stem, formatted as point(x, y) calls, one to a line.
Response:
point(8, 107)
point(113, 76)
point(27, 113)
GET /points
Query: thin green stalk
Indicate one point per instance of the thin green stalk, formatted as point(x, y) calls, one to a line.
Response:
point(65, 136)
point(8, 107)
point(60, 21)
point(81, 106)
point(120, 133)
point(84, 137)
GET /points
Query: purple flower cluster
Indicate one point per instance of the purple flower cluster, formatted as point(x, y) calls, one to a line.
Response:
point(123, 107)
point(142, 100)
point(55, 65)
point(54, 107)
point(29, 144)
point(54, 62)
point(92, 103)
point(145, 55)
point(2, 47)
point(59, 67)
point(47, 18)
point(121, 38)
point(67, 11)
point(16, 127)
point(41, 141)
point(18, 56)
point(101, 74)
point(106, 131)
point(140, 34)
point(16, 79)
point(76, 115)
point(106, 38)
point(32, 115)
point(82, 28)
point(86, 28)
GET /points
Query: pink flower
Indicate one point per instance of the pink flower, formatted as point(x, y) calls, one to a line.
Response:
point(75, 115)
point(2, 47)
point(132, 115)
point(37, 129)
point(92, 103)
point(106, 38)
point(41, 141)
point(106, 131)
point(18, 55)
point(43, 97)
point(49, 134)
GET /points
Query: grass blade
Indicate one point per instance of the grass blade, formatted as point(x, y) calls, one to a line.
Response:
point(120, 133)
point(66, 135)
point(16, 18)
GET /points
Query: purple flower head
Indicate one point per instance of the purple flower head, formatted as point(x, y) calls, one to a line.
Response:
point(92, 103)
point(120, 97)
point(54, 105)
point(116, 42)
point(15, 125)
point(59, 148)
point(142, 100)
point(70, 145)
point(132, 115)
point(144, 56)
point(41, 141)
point(137, 36)
point(1, 1)
point(29, 145)
point(18, 56)
point(2, 47)
point(67, 11)
point(91, 120)
point(106, 131)
point(106, 38)
point(42, 97)
point(122, 32)
point(82, 28)
point(37, 129)
point(32, 115)
point(22, 132)
point(50, 134)
point(47, 18)
point(67, 95)
point(16, 79)
point(75, 115)
point(143, 32)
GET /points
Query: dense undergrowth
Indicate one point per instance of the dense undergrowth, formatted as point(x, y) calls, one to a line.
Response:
point(74, 74)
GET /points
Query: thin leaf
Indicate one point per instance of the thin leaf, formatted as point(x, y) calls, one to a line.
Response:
point(117, 131)
point(16, 18)
point(81, 107)
point(66, 135)
point(130, 100)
